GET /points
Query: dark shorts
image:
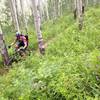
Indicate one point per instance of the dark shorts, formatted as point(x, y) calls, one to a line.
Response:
point(20, 44)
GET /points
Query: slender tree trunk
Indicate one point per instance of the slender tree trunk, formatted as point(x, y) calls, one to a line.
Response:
point(47, 13)
point(59, 9)
point(15, 14)
point(3, 49)
point(86, 2)
point(12, 13)
point(23, 15)
point(75, 9)
point(79, 6)
point(16, 8)
point(37, 21)
point(54, 9)
point(80, 14)
point(71, 5)
point(41, 11)
point(83, 6)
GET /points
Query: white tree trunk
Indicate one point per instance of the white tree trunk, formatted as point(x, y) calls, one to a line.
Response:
point(37, 22)
point(47, 13)
point(23, 15)
point(54, 9)
point(12, 13)
point(80, 14)
point(75, 9)
point(59, 8)
point(86, 2)
point(15, 14)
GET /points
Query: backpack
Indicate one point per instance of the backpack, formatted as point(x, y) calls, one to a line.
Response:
point(27, 39)
point(26, 36)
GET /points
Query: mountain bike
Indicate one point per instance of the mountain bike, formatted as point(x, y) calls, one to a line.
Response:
point(18, 55)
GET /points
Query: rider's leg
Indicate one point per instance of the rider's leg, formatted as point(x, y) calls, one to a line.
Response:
point(17, 46)
point(22, 50)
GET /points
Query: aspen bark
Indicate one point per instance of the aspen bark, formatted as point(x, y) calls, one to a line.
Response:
point(15, 14)
point(12, 13)
point(23, 15)
point(80, 14)
point(3, 49)
point(37, 22)
point(47, 13)
point(75, 9)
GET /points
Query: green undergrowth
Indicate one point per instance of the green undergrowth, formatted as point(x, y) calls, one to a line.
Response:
point(70, 69)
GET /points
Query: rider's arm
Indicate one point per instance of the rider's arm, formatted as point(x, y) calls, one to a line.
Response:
point(25, 44)
point(13, 42)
